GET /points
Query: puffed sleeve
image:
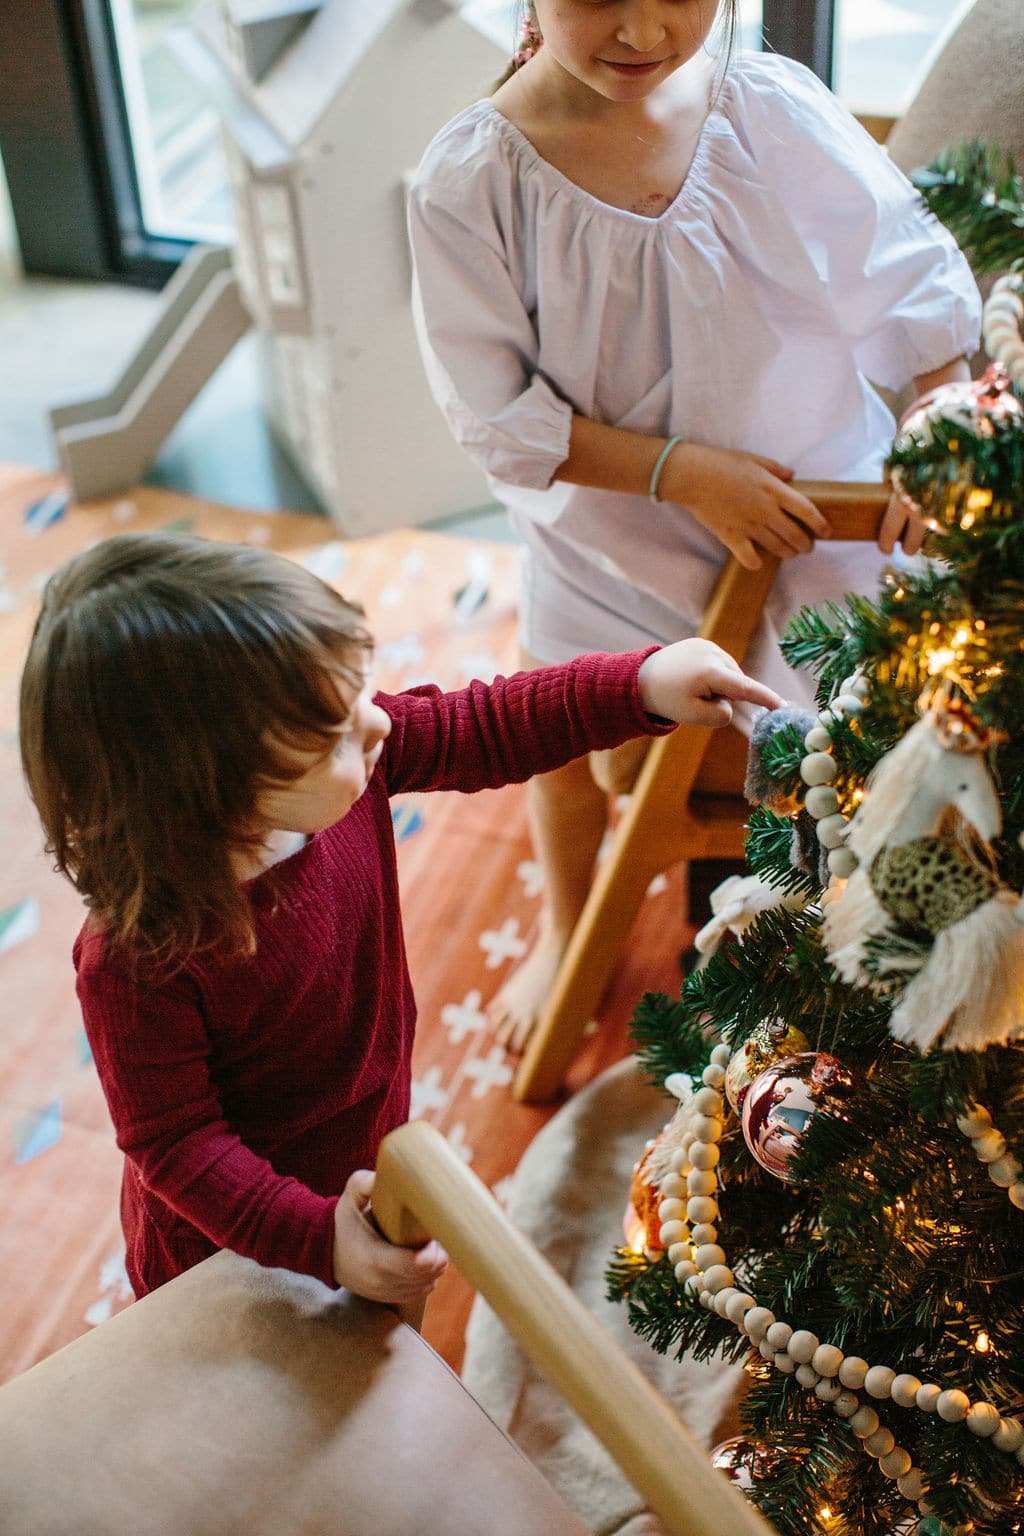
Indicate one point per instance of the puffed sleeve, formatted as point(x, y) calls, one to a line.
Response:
point(478, 342)
point(902, 290)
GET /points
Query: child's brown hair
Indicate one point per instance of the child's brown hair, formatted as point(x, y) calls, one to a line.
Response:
point(164, 675)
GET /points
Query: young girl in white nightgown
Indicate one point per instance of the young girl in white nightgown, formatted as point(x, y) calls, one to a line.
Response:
point(652, 287)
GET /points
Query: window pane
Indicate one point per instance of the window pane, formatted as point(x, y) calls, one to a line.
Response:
point(883, 48)
point(748, 31)
point(175, 134)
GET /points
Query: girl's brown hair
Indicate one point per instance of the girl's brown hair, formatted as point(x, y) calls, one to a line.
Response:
point(164, 676)
point(530, 37)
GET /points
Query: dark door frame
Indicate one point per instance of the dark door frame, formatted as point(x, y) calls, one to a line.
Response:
point(66, 149)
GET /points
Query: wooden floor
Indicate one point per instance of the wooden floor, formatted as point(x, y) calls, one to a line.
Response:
point(443, 610)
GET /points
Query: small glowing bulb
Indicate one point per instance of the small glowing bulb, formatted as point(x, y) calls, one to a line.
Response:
point(982, 1343)
point(899, 592)
point(940, 659)
point(824, 1513)
point(961, 637)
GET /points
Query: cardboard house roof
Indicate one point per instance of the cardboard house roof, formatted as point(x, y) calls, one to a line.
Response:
point(273, 117)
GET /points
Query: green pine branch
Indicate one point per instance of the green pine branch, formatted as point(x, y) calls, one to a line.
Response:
point(975, 190)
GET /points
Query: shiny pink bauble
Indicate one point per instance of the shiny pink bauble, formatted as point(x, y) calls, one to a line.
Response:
point(744, 1462)
point(781, 1102)
point(768, 1043)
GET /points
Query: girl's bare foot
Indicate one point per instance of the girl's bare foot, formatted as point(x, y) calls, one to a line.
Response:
point(514, 1010)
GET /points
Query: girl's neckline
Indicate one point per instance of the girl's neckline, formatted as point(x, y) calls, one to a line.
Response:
point(519, 138)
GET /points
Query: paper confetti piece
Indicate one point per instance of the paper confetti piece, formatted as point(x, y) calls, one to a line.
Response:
point(18, 923)
point(38, 1132)
point(42, 514)
point(406, 820)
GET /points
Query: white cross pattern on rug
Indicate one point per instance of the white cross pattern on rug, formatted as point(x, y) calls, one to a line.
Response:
point(19, 922)
point(456, 1139)
point(328, 561)
point(403, 652)
point(502, 944)
point(114, 1286)
point(479, 664)
point(422, 680)
point(427, 1094)
point(502, 1190)
point(479, 572)
point(462, 1019)
point(490, 1071)
point(530, 876)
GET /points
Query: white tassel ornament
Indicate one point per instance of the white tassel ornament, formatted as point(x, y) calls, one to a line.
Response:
point(929, 803)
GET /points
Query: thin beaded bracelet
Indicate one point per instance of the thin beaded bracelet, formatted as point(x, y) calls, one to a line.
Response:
point(659, 465)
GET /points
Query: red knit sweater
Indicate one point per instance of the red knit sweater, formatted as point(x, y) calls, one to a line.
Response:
point(244, 1092)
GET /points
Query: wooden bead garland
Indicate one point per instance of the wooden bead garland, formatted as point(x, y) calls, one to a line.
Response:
point(818, 770)
point(990, 1148)
point(699, 1262)
point(1002, 318)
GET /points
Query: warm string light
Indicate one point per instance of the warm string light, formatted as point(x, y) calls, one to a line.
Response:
point(944, 650)
point(982, 1343)
point(976, 501)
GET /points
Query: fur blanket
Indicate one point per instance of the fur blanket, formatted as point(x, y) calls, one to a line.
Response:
point(569, 1195)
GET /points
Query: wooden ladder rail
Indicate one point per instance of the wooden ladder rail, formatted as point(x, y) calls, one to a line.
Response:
point(422, 1188)
point(661, 827)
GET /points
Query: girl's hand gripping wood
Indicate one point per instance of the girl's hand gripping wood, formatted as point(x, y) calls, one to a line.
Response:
point(744, 500)
point(367, 1264)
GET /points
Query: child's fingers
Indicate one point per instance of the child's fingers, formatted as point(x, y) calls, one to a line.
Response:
point(360, 1186)
point(805, 512)
point(903, 522)
point(738, 687)
point(714, 712)
point(431, 1259)
point(781, 471)
point(783, 536)
point(745, 553)
point(892, 522)
point(408, 1272)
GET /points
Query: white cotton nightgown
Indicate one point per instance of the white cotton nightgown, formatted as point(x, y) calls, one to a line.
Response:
point(795, 265)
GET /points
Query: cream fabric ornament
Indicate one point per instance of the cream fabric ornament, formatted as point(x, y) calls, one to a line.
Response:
point(737, 902)
point(920, 835)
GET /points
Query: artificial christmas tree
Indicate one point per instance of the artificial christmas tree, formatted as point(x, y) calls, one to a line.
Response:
point(839, 1197)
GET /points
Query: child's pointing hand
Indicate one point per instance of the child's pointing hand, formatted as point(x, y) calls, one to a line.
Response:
point(696, 683)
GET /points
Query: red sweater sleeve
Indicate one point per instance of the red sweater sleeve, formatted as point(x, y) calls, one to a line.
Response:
point(497, 733)
point(152, 1054)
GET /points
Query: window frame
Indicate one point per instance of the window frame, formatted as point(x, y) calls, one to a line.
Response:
point(66, 146)
point(803, 30)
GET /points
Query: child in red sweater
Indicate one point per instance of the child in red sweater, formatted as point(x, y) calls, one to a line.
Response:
point(212, 772)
